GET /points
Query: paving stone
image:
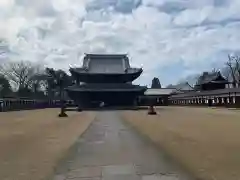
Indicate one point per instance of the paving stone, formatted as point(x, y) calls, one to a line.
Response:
point(118, 170)
point(146, 170)
point(159, 177)
point(59, 177)
point(121, 177)
point(149, 169)
point(94, 178)
point(86, 172)
point(112, 150)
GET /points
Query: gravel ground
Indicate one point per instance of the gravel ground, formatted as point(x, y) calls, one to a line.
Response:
point(205, 141)
point(33, 142)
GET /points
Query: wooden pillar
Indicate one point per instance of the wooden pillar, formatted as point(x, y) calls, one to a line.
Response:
point(238, 101)
point(231, 101)
point(228, 102)
point(215, 101)
point(234, 101)
point(210, 102)
point(1, 105)
point(225, 102)
point(9, 105)
point(17, 104)
point(205, 101)
point(6, 105)
point(221, 101)
point(13, 105)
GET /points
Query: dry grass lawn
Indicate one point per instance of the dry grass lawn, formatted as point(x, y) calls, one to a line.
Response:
point(205, 141)
point(33, 142)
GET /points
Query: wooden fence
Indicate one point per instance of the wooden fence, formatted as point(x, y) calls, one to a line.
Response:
point(27, 104)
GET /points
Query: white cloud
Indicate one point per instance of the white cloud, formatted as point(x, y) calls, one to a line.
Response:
point(59, 32)
point(191, 17)
point(6, 3)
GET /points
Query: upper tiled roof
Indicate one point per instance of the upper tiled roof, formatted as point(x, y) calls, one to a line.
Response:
point(106, 63)
point(99, 56)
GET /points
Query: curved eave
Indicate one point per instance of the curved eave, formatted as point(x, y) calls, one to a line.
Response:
point(142, 90)
point(101, 77)
point(107, 87)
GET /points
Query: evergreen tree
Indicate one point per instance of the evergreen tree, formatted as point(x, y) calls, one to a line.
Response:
point(156, 83)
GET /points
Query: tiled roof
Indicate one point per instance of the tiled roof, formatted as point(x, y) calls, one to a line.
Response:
point(184, 87)
point(106, 56)
point(106, 87)
point(159, 92)
point(207, 93)
point(106, 63)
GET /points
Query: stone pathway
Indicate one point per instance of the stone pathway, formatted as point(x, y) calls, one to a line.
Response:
point(111, 150)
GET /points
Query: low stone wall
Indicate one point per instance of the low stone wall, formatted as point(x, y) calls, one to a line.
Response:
point(28, 104)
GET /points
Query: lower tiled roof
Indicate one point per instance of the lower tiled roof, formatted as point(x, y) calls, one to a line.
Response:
point(105, 87)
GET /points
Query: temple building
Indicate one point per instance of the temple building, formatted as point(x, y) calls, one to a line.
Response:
point(211, 81)
point(105, 79)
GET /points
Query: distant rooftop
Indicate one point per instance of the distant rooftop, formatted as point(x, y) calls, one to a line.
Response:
point(159, 92)
point(183, 87)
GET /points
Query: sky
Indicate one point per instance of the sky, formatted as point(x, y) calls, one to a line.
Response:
point(170, 39)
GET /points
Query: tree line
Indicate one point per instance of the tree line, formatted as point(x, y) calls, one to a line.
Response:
point(31, 80)
point(230, 70)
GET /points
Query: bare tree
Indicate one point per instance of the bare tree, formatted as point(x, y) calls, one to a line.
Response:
point(231, 69)
point(20, 74)
point(214, 70)
point(237, 66)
